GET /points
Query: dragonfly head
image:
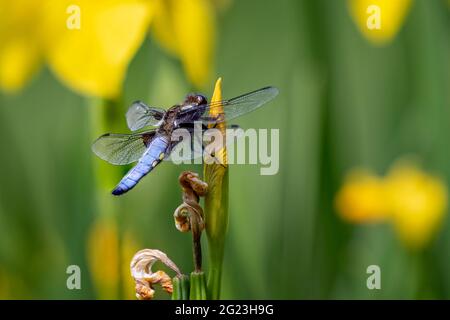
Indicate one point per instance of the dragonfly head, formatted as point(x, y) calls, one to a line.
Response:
point(193, 99)
point(201, 99)
point(189, 110)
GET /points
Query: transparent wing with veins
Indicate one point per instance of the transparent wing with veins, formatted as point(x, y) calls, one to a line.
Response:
point(139, 115)
point(121, 149)
point(192, 141)
point(232, 108)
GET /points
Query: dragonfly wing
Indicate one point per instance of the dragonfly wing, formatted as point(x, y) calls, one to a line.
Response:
point(192, 146)
point(186, 144)
point(121, 149)
point(233, 108)
point(140, 115)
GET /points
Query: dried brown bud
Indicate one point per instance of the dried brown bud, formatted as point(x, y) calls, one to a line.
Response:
point(191, 180)
point(144, 291)
point(189, 215)
point(141, 270)
point(190, 210)
point(182, 217)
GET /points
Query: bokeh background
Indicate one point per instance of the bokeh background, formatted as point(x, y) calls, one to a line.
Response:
point(350, 99)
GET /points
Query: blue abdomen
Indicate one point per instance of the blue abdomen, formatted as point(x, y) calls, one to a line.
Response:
point(150, 159)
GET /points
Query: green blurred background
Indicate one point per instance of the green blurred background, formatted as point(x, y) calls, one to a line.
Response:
point(344, 102)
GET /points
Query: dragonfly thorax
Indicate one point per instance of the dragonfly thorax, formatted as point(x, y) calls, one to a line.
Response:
point(169, 121)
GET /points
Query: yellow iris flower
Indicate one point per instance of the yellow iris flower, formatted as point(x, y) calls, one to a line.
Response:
point(418, 203)
point(186, 29)
point(412, 200)
point(103, 258)
point(359, 199)
point(379, 20)
point(89, 44)
point(20, 42)
point(109, 260)
point(94, 58)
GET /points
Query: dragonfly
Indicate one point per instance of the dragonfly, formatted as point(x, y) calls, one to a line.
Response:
point(148, 147)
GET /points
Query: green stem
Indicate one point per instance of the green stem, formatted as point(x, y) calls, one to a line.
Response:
point(198, 286)
point(180, 288)
point(196, 244)
point(216, 221)
point(106, 116)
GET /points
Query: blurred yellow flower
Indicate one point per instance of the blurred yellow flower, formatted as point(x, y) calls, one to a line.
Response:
point(109, 260)
point(418, 203)
point(20, 42)
point(93, 58)
point(89, 44)
point(129, 248)
point(186, 28)
point(13, 285)
point(379, 20)
point(103, 258)
point(412, 200)
point(358, 200)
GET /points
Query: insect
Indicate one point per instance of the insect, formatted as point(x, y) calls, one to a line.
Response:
point(150, 147)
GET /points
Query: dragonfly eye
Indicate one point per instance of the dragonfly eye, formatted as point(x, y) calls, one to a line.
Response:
point(201, 99)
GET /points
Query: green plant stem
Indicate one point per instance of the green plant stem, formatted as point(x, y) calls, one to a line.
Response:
point(106, 116)
point(198, 286)
point(180, 288)
point(216, 221)
point(196, 244)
